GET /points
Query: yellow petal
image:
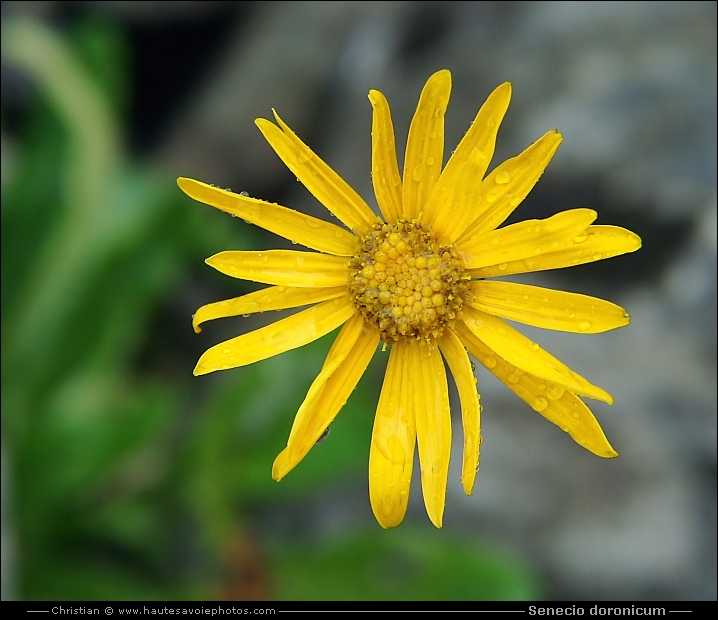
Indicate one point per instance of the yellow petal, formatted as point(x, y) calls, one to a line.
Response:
point(325, 184)
point(453, 202)
point(425, 144)
point(433, 424)
point(524, 240)
point(460, 367)
point(391, 456)
point(272, 298)
point(284, 335)
point(384, 168)
point(526, 355)
point(290, 224)
point(551, 400)
point(546, 308)
point(346, 362)
point(507, 186)
point(595, 243)
point(284, 267)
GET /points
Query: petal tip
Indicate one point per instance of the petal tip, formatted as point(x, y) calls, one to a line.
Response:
point(282, 465)
point(200, 369)
point(186, 185)
point(375, 96)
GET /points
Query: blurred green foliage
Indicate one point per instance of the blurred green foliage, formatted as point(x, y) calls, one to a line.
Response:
point(130, 483)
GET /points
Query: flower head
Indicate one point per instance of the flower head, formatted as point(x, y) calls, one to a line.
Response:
point(419, 279)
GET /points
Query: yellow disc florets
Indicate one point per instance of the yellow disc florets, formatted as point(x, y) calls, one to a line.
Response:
point(406, 283)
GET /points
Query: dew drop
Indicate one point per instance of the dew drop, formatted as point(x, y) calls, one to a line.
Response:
point(539, 403)
point(584, 326)
point(226, 351)
point(430, 160)
point(515, 376)
point(417, 173)
point(490, 362)
point(324, 435)
point(245, 194)
point(503, 266)
point(555, 392)
point(502, 178)
point(491, 198)
point(490, 122)
point(597, 256)
point(535, 347)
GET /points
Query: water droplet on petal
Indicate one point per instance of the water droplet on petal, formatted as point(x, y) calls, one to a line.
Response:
point(539, 403)
point(417, 173)
point(490, 362)
point(515, 375)
point(324, 435)
point(584, 326)
point(430, 160)
point(491, 198)
point(503, 266)
point(502, 178)
point(555, 392)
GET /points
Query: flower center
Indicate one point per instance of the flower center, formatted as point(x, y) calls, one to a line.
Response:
point(405, 283)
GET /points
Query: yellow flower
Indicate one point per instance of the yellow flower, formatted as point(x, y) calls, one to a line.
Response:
point(418, 280)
